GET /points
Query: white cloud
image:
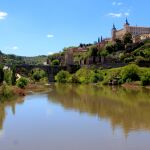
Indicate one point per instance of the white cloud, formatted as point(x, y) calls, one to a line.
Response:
point(115, 15)
point(126, 14)
point(119, 15)
point(50, 53)
point(10, 49)
point(3, 15)
point(15, 48)
point(117, 3)
point(50, 36)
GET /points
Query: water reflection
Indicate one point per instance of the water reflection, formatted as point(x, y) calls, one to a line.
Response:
point(126, 108)
point(11, 104)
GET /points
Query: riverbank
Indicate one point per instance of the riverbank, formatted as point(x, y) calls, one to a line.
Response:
point(135, 86)
point(114, 76)
point(15, 92)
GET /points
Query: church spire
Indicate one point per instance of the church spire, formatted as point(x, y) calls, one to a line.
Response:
point(114, 28)
point(127, 23)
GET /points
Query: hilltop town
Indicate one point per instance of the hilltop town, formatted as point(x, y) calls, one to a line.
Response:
point(122, 59)
point(132, 43)
point(129, 44)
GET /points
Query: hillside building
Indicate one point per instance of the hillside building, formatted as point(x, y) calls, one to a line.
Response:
point(142, 32)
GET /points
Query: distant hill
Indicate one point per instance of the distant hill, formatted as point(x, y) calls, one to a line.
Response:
point(14, 59)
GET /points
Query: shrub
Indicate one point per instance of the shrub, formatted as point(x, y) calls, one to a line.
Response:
point(127, 38)
point(63, 77)
point(104, 53)
point(110, 48)
point(1, 74)
point(13, 78)
point(74, 79)
point(130, 73)
point(92, 51)
point(44, 80)
point(129, 59)
point(6, 90)
point(22, 82)
point(85, 75)
point(96, 77)
point(38, 74)
point(145, 79)
point(139, 59)
point(8, 76)
point(111, 74)
point(55, 62)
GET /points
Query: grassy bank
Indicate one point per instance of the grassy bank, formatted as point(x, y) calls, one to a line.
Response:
point(116, 76)
point(8, 93)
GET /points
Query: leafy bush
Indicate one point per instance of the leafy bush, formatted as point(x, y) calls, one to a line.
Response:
point(74, 79)
point(86, 75)
point(6, 90)
point(111, 74)
point(130, 73)
point(129, 59)
point(127, 38)
point(44, 80)
point(110, 48)
point(63, 76)
point(104, 53)
point(22, 82)
point(145, 79)
point(1, 74)
point(38, 74)
point(55, 62)
point(92, 51)
point(8, 76)
point(13, 78)
point(96, 77)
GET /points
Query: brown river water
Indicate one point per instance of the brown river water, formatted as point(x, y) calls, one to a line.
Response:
point(77, 117)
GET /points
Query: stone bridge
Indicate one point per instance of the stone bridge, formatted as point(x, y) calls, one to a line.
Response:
point(50, 70)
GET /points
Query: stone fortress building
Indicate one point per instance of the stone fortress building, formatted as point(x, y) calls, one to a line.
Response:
point(141, 32)
point(138, 34)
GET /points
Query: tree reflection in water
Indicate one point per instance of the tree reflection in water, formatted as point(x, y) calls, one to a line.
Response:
point(128, 109)
point(125, 108)
point(9, 103)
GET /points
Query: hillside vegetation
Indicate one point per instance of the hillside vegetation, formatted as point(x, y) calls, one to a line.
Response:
point(14, 60)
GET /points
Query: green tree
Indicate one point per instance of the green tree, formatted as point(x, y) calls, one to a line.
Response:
point(127, 38)
point(22, 82)
point(145, 79)
point(104, 53)
point(110, 48)
point(63, 77)
point(55, 62)
point(118, 45)
point(7, 91)
point(38, 74)
point(130, 73)
point(13, 75)
point(92, 51)
point(8, 76)
point(1, 73)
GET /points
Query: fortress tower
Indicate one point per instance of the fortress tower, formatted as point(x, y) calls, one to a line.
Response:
point(134, 30)
point(113, 32)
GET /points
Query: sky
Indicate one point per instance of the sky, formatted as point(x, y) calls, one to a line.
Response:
point(42, 27)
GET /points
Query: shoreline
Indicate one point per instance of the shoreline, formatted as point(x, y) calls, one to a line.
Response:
point(36, 88)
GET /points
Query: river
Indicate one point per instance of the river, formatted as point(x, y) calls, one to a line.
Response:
point(77, 117)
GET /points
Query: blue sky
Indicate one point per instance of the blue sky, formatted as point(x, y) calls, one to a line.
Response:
point(36, 27)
